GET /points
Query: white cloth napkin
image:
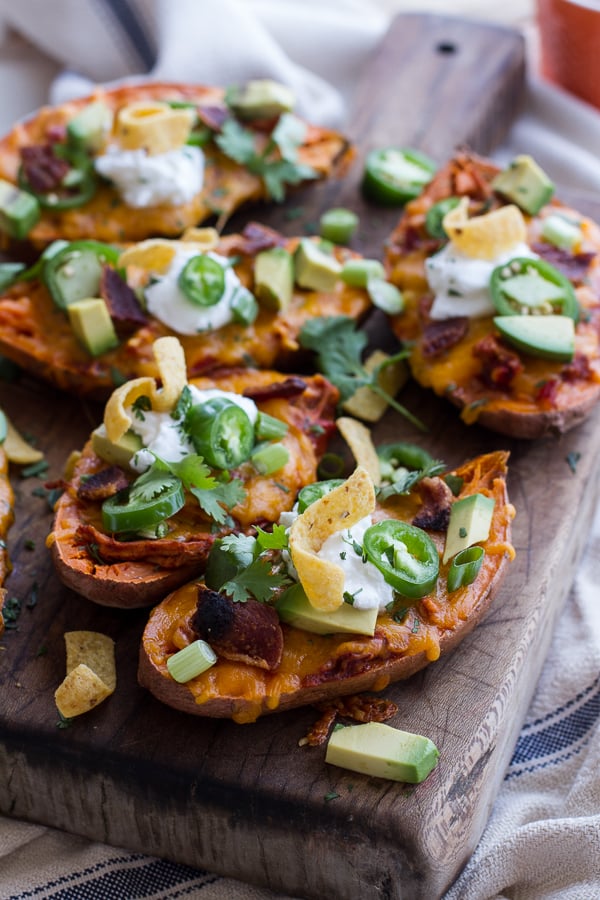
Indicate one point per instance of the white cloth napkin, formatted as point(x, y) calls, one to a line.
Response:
point(543, 838)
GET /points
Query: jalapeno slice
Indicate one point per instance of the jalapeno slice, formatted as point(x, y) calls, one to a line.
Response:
point(221, 432)
point(145, 503)
point(312, 492)
point(464, 568)
point(525, 286)
point(435, 216)
point(73, 273)
point(405, 555)
point(202, 280)
point(394, 175)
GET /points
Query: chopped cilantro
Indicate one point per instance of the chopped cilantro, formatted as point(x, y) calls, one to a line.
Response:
point(37, 468)
point(141, 405)
point(455, 483)
point(63, 722)
point(257, 580)
point(51, 495)
point(462, 532)
point(332, 795)
point(11, 612)
point(572, 460)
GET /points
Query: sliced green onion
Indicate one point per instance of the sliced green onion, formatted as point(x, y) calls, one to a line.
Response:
point(268, 428)
point(338, 225)
point(9, 273)
point(464, 568)
point(561, 232)
point(244, 306)
point(270, 458)
point(357, 272)
point(385, 296)
point(3, 427)
point(192, 661)
point(331, 466)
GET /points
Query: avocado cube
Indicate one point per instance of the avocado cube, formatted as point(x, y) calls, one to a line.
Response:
point(92, 325)
point(294, 608)
point(315, 269)
point(88, 129)
point(470, 521)
point(19, 210)
point(260, 99)
point(117, 453)
point(549, 337)
point(274, 278)
point(525, 184)
point(382, 751)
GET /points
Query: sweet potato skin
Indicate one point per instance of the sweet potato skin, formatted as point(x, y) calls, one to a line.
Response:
point(317, 668)
point(105, 217)
point(139, 573)
point(524, 408)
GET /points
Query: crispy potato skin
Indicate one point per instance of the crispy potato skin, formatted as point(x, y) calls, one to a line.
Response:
point(36, 334)
point(138, 573)
point(105, 217)
point(545, 397)
point(318, 667)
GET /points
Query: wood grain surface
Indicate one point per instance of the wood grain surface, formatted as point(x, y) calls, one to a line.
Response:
point(247, 801)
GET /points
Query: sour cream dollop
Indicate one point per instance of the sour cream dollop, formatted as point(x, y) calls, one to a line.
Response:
point(167, 302)
point(172, 178)
point(461, 283)
point(163, 436)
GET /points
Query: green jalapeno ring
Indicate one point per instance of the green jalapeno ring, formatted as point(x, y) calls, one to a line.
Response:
point(135, 509)
point(405, 555)
point(435, 216)
point(73, 272)
point(221, 432)
point(465, 567)
point(202, 280)
point(394, 175)
point(523, 272)
point(310, 493)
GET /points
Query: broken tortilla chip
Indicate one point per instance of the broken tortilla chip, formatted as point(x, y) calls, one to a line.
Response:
point(486, 236)
point(358, 437)
point(17, 449)
point(91, 673)
point(322, 580)
point(153, 126)
point(80, 691)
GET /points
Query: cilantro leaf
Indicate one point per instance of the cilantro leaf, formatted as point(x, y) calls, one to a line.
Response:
point(236, 142)
point(216, 500)
point(183, 405)
point(151, 484)
point(256, 580)
point(275, 540)
point(194, 472)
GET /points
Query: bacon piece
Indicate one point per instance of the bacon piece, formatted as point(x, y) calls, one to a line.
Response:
point(572, 265)
point(43, 170)
point(56, 133)
point(247, 632)
point(434, 514)
point(214, 117)
point(123, 305)
point(499, 365)
point(256, 237)
point(440, 336)
point(102, 484)
point(577, 370)
point(289, 387)
point(547, 391)
point(169, 553)
point(358, 707)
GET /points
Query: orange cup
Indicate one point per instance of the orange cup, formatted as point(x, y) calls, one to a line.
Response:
point(569, 32)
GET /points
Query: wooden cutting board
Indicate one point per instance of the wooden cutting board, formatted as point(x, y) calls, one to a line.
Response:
point(247, 801)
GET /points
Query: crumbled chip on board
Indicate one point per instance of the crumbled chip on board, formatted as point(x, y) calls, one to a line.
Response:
point(364, 402)
point(323, 581)
point(358, 437)
point(486, 236)
point(17, 449)
point(154, 126)
point(170, 360)
point(206, 238)
point(91, 673)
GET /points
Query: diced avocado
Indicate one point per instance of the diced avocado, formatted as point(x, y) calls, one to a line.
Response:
point(382, 751)
point(470, 521)
point(92, 324)
point(525, 183)
point(260, 99)
point(549, 337)
point(274, 278)
point(118, 453)
point(19, 211)
point(315, 269)
point(88, 129)
point(295, 609)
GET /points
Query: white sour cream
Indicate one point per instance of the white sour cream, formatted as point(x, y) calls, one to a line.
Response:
point(461, 283)
point(361, 579)
point(172, 178)
point(167, 302)
point(163, 436)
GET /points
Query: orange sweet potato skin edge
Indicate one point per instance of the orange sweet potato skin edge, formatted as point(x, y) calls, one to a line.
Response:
point(380, 674)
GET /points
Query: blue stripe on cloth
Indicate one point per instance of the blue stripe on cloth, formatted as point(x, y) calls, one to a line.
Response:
point(134, 29)
point(557, 736)
point(125, 879)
